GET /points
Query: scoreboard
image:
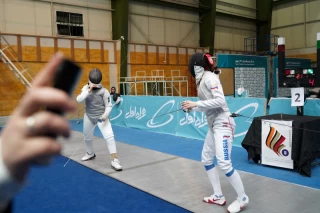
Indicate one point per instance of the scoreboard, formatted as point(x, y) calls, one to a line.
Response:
point(298, 77)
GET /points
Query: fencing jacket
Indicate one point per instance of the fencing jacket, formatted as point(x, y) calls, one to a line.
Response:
point(97, 102)
point(212, 100)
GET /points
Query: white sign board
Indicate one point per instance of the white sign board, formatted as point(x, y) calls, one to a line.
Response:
point(276, 143)
point(297, 96)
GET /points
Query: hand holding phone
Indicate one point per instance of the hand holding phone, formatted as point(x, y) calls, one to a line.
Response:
point(66, 79)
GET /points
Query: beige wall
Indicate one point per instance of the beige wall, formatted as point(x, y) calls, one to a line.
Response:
point(159, 25)
point(147, 23)
point(185, 2)
point(230, 34)
point(245, 8)
point(37, 17)
point(299, 23)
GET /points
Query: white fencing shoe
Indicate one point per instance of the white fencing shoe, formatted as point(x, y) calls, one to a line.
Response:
point(215, 199)
point(88, 157)
point(238, 204)
point(115, 164)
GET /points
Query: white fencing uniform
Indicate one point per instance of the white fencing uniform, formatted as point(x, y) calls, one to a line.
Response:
point(218, 142)
point(221, 126)
point(97, 104)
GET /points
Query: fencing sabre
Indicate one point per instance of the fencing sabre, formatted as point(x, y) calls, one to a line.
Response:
point(79, 145)
point(163, 114)
point(82, 140)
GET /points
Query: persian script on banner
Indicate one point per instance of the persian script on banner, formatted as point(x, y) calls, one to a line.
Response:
point(276, 143)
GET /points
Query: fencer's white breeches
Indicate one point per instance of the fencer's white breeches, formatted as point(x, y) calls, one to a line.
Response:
point(106, 131)
point(218, 143)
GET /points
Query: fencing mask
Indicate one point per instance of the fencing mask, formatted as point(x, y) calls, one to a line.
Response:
point(196, 61)
point(95, 77)
point(199, 62)
point(197, 65)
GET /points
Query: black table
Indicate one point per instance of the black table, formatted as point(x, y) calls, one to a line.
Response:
point(305, 140)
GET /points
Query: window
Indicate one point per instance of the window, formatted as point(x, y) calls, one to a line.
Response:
point(69, 24)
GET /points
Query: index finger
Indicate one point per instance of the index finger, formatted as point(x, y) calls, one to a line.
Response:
point(46, 75)
point(45, 97)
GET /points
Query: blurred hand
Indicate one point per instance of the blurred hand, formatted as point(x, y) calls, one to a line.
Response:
point(188, 105)
point(103, 117)
point(23, 139)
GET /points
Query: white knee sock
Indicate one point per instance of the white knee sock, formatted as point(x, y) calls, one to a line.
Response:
point(111, 143)
point(235, 180)
point(214, 179)
point(89, 146)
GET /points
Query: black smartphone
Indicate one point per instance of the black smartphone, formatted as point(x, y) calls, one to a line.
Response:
point(67, 78)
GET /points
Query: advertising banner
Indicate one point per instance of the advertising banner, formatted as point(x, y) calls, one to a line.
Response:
point(276, 143)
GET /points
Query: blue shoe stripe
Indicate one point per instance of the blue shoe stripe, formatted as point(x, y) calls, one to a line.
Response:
point(209, 167)
point(230, 173)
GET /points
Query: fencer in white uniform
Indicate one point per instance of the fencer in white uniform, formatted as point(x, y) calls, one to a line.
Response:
point(98, 109)
point(221, 127)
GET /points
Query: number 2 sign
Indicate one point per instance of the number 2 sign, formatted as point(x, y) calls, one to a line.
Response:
point(297, 96)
